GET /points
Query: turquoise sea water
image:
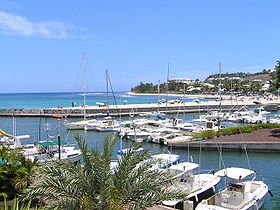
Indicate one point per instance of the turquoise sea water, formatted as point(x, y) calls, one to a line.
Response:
point(267, 165)
point(52, 100)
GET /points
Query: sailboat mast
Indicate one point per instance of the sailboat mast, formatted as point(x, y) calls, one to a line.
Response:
point(107, 90)
point(220, 85)
point(167, 81)
point(85, 82)
point(158, 96)
point(14, 124)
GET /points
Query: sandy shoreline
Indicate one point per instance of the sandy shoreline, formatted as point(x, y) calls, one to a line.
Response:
point(226, 100)
point(181, 95)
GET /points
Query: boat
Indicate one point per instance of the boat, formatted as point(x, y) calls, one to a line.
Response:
point(160, 161)
point(43, 151)
point(79, 125)
point(48, 151)
point(196, 186)
point(239, 194)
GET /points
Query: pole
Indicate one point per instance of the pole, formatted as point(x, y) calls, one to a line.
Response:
point(85, 82)
point(167, 81)
point(220, 93)
point(184, 99)
point(107, 91)
point(158, 97)
point(58, 139)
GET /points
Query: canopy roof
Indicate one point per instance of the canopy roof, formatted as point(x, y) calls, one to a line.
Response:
point(51, 143)
point(235, 173)
point(125, 151)
point(185, 166)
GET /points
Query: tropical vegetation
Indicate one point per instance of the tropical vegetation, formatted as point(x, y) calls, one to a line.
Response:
point(239, 82)
point(16, 172)
point(210, 134)
point(94, 185)
point(16, 205)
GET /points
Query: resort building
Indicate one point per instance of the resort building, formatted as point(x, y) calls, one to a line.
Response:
point(182, 80)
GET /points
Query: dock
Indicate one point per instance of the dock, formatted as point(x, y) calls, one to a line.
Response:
point(266, 140)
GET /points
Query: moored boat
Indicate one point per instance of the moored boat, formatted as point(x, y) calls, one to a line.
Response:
point(241, 194)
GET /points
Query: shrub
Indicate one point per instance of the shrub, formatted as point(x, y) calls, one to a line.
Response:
point(208, 134)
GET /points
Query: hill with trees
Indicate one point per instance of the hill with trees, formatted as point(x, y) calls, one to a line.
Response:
point(239, 82)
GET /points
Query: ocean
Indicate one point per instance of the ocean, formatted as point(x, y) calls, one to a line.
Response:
point(53, 100)
point(267, 165)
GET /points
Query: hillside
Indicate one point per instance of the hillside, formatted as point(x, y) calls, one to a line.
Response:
point(264, 75)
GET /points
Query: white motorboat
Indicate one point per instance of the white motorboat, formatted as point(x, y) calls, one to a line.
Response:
point(160, 161)
point(196, 186)
point(164, 160)
point(180, 124)
point(48, 151)
point(240, 194)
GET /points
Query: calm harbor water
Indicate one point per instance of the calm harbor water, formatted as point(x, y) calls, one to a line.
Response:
point(52, 100)
point(267, 165)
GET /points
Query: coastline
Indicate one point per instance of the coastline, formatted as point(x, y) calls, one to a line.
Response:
point(205, 96)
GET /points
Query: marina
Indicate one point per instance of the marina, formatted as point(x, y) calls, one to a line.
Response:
point(261, 162)
point(153, 105)
point(178, 117)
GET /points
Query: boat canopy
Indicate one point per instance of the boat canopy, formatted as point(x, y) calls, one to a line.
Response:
point(185, 166)
point(235, 173)
point(51, 143)
point(125, 151)
point(2, 133)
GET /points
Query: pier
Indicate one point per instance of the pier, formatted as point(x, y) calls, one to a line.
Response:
point(136, 109)
point(265, 140)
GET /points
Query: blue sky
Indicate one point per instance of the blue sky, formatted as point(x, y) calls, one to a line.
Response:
point(42, 42)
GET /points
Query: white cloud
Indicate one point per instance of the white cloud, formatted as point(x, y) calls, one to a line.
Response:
point(11, 24)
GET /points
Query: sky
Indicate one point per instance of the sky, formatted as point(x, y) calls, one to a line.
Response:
point(42, 42)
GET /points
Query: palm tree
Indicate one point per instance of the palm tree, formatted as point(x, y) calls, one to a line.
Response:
point(94, 185)
point(16, 172)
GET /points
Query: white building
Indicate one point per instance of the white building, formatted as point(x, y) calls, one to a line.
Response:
point(182, 80)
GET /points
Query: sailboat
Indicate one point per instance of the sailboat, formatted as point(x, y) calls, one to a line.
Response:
point(43, 151)
point(47, 151)
point(242, 191)
point(107, 124)
point(79, 125)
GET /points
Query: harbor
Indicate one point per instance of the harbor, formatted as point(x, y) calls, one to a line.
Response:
point(139, 105)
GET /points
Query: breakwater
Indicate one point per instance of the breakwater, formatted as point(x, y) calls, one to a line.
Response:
point(133, 109)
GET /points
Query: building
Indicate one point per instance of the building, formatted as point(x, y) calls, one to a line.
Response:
point(182, 80)
point(212, 79)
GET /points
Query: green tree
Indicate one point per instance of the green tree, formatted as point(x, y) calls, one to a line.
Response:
point(277, 76)
point(68, 185)
point(16, 172)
